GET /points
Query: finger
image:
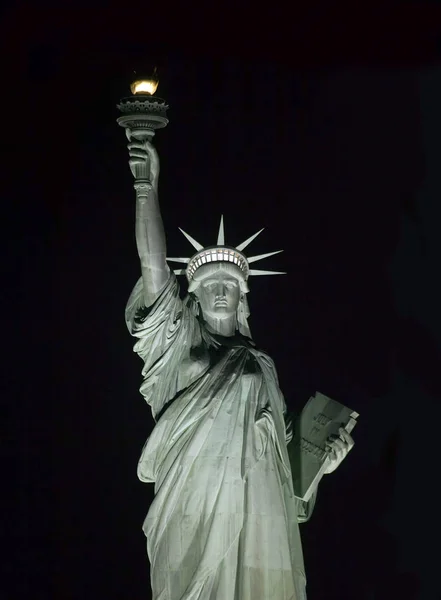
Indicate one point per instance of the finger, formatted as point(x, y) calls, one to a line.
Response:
point(138, 155)
point(339, 445)
point(350, 440)
point(336, 441)
point(138, 152)
point(136, 161)
point(345, 434)
point(137, 145)
point(128, 133)
point(332, 451)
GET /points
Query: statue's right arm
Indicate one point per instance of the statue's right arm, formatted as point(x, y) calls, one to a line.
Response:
point(150, 235)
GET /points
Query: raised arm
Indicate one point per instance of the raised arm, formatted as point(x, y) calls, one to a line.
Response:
point(150, 235)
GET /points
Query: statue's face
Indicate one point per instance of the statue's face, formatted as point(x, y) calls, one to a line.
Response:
point(219, 294)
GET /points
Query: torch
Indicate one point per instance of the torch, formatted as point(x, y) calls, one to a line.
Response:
point(142, 114)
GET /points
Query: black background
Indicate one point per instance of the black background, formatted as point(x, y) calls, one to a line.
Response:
point(321, 125)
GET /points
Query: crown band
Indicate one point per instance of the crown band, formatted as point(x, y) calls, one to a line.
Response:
point(214, 255)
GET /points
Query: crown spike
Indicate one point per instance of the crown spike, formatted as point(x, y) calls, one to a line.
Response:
point(249, 240)
point(259, 272)
point(221, 235)
point(192, 241)
point(178, 259)
point(261, 256)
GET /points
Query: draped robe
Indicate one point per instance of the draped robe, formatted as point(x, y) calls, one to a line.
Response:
point(224, 521)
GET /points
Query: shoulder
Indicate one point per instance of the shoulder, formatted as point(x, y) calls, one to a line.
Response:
point(264, 358)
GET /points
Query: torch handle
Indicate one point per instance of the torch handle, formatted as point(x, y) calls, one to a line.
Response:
point(142, 171)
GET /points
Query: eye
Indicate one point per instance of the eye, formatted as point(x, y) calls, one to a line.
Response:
point(231, 285)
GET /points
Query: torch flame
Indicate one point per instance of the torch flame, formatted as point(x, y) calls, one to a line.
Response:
point(144, 86)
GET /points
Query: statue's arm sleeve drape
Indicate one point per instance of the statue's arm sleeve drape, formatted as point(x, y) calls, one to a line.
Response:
point(305, 509)
point(165, 332)
point(289, 426)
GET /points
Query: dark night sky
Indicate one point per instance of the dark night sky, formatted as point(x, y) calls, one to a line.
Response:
point(325, 129)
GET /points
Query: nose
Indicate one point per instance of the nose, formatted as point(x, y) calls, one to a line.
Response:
point(220, 290)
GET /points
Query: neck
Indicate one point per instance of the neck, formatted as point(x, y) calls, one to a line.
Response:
point(226, 327)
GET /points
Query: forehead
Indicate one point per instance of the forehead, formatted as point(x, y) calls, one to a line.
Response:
point(219, 276)
point(219, 271)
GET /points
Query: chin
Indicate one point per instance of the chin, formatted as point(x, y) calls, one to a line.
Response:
point(221, 312)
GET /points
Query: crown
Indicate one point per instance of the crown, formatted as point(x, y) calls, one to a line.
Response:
point(222, 253)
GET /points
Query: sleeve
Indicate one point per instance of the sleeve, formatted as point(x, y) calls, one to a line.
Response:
point(165, 333)
point(305, 509)
point(289, 427)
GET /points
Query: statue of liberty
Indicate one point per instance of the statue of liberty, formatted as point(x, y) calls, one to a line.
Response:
point(224, 523)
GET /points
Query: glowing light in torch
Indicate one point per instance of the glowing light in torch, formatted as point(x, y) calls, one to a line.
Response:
point(144, 86)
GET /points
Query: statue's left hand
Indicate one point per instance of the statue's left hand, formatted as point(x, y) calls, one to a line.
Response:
point(338, 449)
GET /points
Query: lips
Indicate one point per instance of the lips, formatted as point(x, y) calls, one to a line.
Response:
point(221, 303)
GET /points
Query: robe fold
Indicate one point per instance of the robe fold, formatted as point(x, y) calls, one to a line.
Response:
point(224, 521)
